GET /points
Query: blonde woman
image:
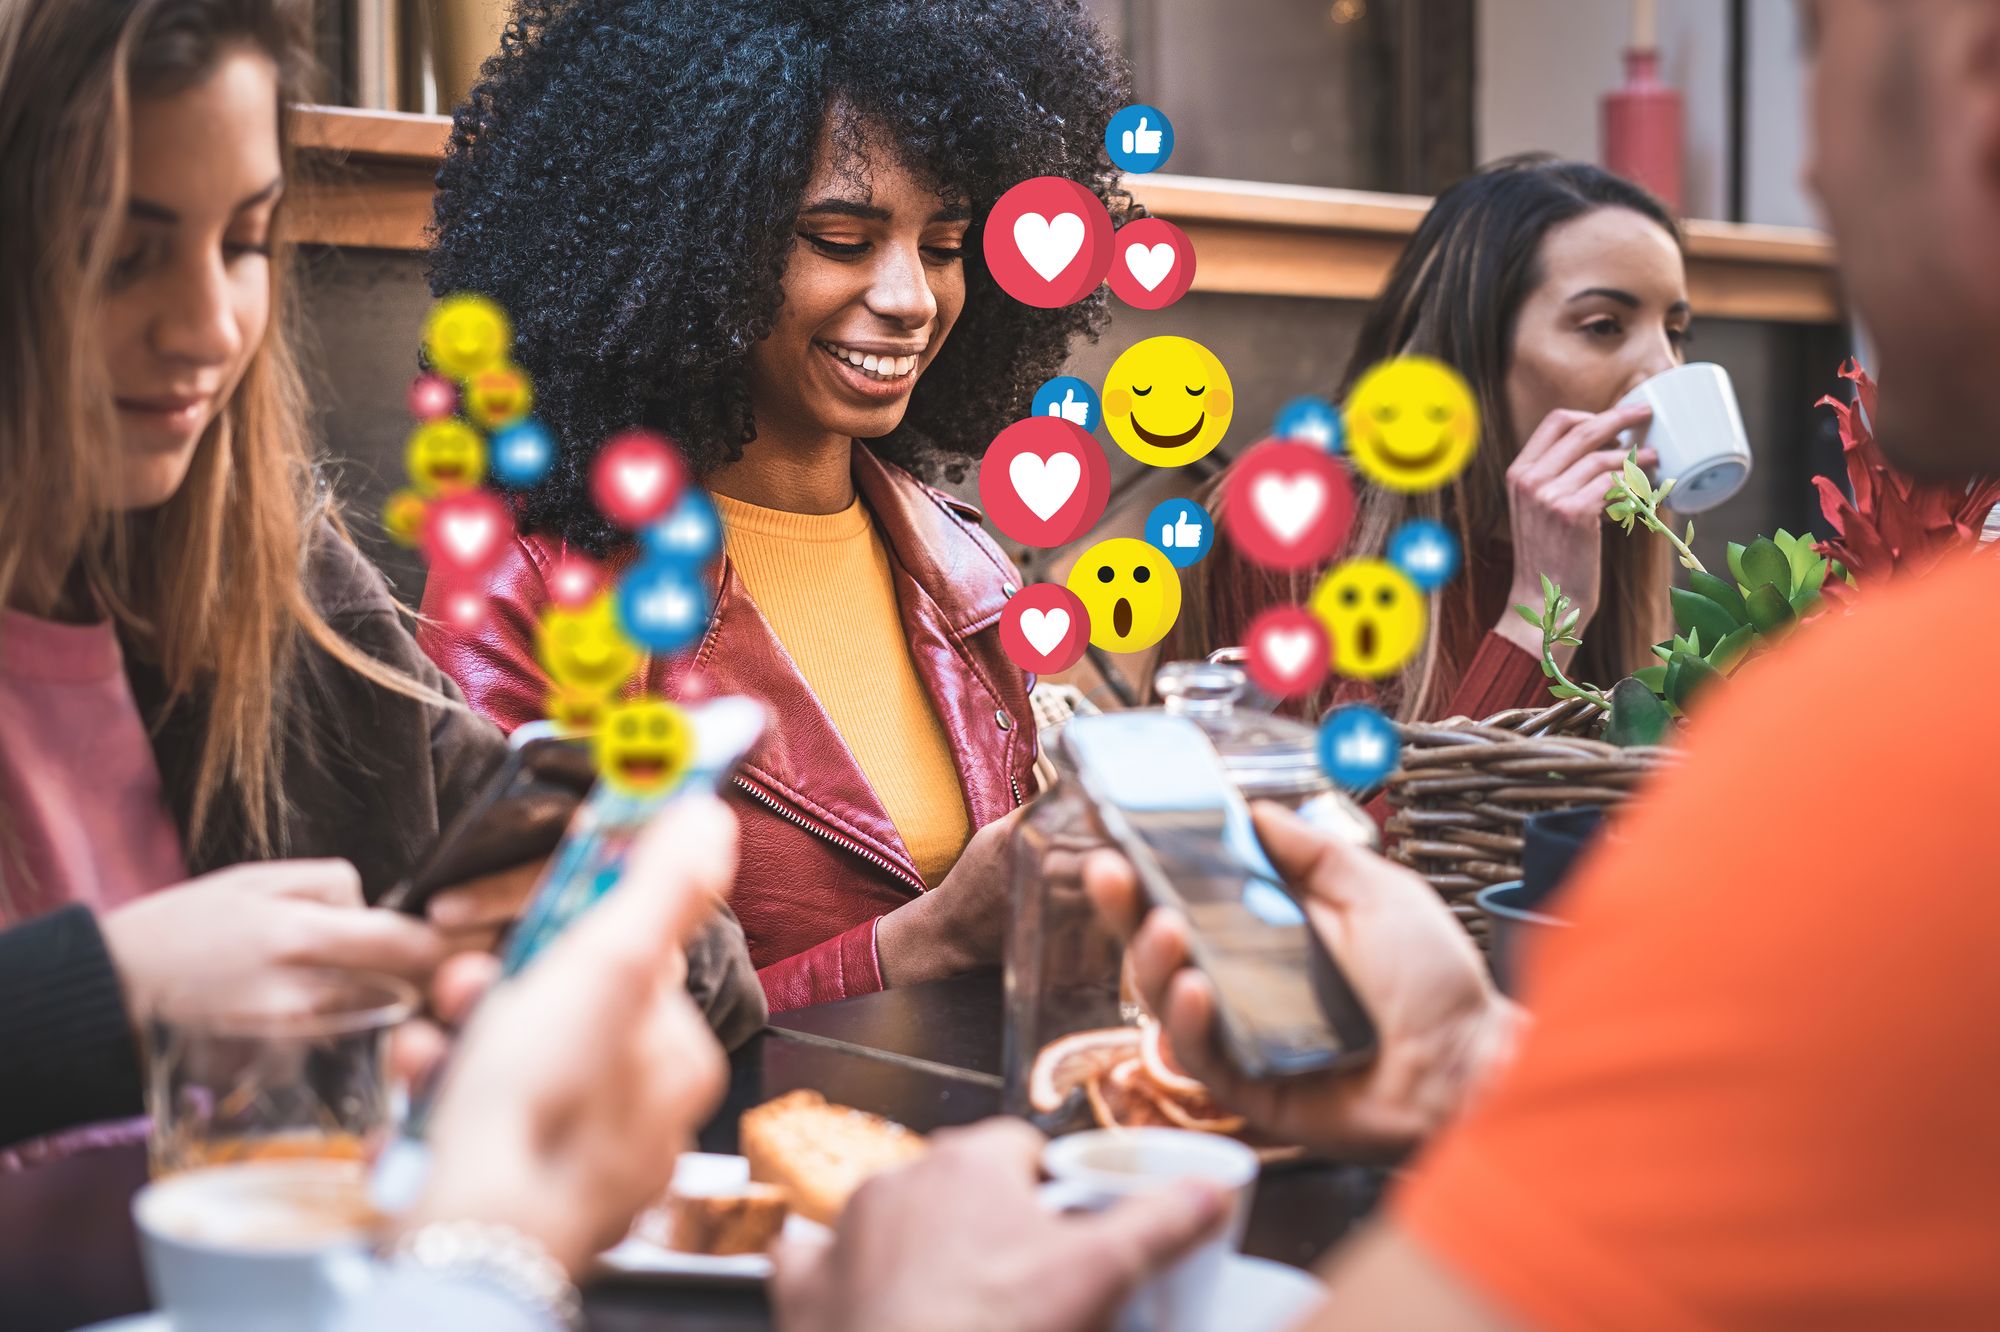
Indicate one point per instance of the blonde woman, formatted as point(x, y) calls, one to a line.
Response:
point(1554, 288)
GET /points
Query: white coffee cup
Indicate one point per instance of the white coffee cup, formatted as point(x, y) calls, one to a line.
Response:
point(1697, 431)
point(255, 1246)
point(1092, 1170)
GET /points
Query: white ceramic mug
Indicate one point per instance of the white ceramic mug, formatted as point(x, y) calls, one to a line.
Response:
point(1092, 1170)
point(1697, 430)
point(256, 1246)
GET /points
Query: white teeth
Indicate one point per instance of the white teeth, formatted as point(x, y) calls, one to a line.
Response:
point(880, 367)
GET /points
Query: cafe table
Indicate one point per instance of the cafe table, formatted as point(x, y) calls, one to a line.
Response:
point(929, 1057)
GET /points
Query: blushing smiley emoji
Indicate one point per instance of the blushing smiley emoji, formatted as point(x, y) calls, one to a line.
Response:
point(1167, 401)
point(1412, 424)
point(584, 650)
point(1131, 591)
point(1374, 614)
point(643, 746)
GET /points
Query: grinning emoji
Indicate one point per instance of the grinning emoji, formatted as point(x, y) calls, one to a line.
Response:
point(445, 457)
point(465, 334)
point(584, 651)
point(498, 396)
point(643, 746)
point(1131, 591)
point(1374, 614)
point(1167, 401)
point(1411, 424)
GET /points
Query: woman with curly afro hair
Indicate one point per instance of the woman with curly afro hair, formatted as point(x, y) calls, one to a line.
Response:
point(754, 225)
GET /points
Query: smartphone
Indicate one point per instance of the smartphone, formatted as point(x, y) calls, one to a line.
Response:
point(518, 817)
point(591, 855)
point(1162, 796)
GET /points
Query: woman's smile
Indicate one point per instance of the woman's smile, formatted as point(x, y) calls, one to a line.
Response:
point(878, 372)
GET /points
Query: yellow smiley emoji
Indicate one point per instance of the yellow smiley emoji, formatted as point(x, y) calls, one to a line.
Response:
point(445, 457)
point(1412, 424)
point(1131, 590)
point(465, 334)
point(643, 746)
point(403, 517)
point(498, 397)
point(1167, 401)
point(584, 651)
point(1374, 614)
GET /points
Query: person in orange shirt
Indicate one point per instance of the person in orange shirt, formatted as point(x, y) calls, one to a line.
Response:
point(1756, 1089)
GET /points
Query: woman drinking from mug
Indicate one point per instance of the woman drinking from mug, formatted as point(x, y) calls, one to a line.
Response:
point(1554, 288)
point(754, 226)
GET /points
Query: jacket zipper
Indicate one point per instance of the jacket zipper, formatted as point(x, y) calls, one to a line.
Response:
point(771, 803)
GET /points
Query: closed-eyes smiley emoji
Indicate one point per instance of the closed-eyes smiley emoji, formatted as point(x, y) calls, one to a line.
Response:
point(1167, 401)
point(1131, 591)
point(1412, 424)
point(1374, 614)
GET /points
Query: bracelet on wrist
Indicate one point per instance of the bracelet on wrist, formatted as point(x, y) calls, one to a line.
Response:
point(495, 1255)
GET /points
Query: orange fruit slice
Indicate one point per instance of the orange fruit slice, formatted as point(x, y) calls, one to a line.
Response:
point(1120, 1099)
point(1074, 1060)
point(1160, 1066)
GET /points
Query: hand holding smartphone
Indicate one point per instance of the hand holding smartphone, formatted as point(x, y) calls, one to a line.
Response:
point(1164, 799)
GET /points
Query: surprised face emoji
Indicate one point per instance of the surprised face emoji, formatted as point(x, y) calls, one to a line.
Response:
point(1130, 589)
point(1375, 616)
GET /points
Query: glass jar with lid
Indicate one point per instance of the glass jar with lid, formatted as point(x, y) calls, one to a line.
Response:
point(1072, 1020)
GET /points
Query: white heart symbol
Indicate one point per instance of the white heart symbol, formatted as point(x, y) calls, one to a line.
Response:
point(1047, 245)
point(1045, 484)
point(468, 535)
point(1288, 505)
point(1045, 630)
point(1287, 649)
point(641, 479)
point(1150, 266)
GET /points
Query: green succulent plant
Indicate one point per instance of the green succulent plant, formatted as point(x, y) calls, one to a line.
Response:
point(1774, 582)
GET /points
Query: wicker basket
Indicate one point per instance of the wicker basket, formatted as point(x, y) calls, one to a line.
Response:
point(1462, 796)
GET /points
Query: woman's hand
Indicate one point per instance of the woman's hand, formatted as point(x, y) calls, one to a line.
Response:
point(1441, 1027)
point(958, 926)
point(256, 918)
point(958, 1240)
point(475, 913)
point(1555, 496)
point(578, 1083)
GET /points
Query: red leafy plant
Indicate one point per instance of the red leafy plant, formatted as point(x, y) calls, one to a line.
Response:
point(1894, 524)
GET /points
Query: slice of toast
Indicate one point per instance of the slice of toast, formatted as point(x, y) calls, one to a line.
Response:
point(819, 1154)
point(743, 1220)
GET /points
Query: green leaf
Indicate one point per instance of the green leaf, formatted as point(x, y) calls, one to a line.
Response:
point(1619, 511)
point(1724, 655)
point(1564, 691)
point(1693, 675)
point(1722, 594)
point(1764, 563)
point(1689, 538)
point(1815, 577)
point(1736, 561)
point(1769, 610)
point(1548, 590)
point(1635, 479)
point(1527, 613)
point(1799, 550)
point(1663, 651)
point(1694, 642)
point(1804, 600)
point(1696, 613)
point(1548, 668)
point(1569, 621)
point(1638, 717)
point(1660, 496)
point(1653, 677)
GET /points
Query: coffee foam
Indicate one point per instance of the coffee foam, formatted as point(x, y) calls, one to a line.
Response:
point(263, 1205)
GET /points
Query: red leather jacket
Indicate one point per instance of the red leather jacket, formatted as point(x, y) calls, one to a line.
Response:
point(820, 861)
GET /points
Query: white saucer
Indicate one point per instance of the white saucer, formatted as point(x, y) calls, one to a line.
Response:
point(1259, 1295)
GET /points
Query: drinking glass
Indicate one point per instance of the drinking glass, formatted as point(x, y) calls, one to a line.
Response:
point(288, 1065)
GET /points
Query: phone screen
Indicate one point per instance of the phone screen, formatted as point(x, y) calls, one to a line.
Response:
point(1165, 799)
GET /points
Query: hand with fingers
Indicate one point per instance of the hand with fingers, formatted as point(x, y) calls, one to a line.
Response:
point(579, 1082)
point(254, 919)
point(1555, 499)
point(1443, 1028)
point(958, 1241)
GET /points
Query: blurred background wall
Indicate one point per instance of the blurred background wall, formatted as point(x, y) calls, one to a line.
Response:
point(1387, 95)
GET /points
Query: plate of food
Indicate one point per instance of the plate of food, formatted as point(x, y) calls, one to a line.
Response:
point(803, 1157)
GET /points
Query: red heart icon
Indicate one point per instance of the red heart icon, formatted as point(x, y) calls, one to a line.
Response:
point(467, 533)
point(636, 478)
point(1043, 628)
point(1288, 505)
point(574, 581)
point(1287, 652)
point(1044, 481)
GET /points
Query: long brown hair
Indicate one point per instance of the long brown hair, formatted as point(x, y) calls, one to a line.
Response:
point(210, 586)
point(1456, 295)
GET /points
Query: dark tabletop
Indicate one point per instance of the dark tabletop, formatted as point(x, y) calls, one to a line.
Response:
point(928, 1056)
